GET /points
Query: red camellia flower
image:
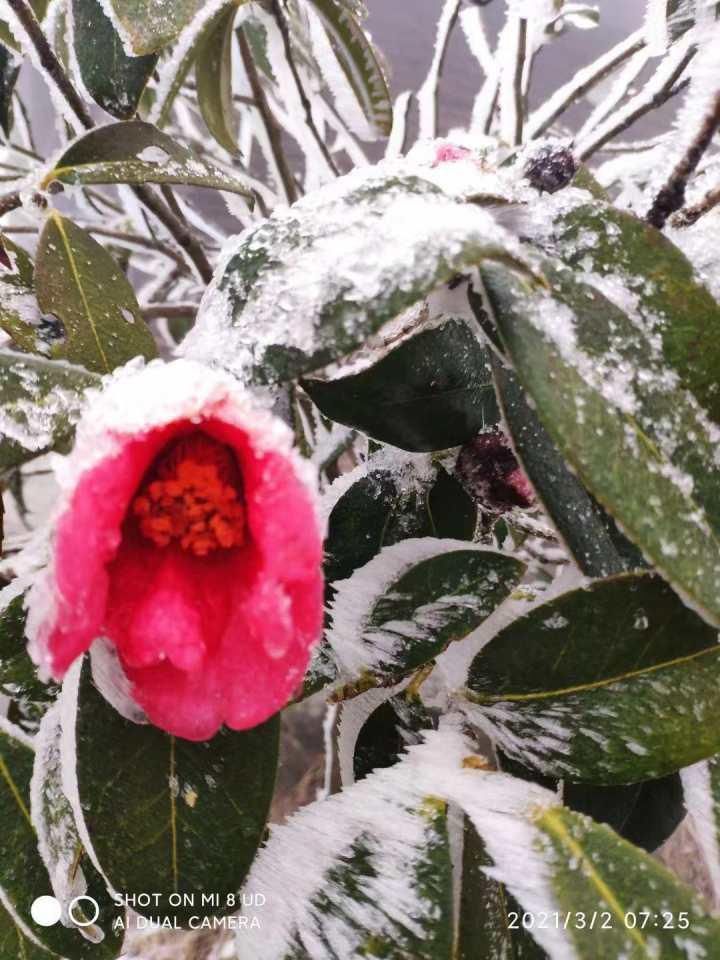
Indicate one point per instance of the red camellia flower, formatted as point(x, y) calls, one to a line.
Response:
point(186, 535)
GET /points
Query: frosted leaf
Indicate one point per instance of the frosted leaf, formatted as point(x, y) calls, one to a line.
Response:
point(405, 605)
point(58, 841)
point(371, 864)
point(309, 284)
point(41, 401)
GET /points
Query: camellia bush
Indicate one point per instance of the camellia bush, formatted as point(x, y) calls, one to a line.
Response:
point(303, 404)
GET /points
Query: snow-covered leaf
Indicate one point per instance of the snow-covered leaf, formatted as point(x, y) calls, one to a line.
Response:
point(148, 25)
point(411, 601)
point(359, 62)
point(23, 876)
point(40, 400)
point(59, 844)
point(191, 815)
point(308, 285)
point(432, 391)
point(78, 281)
point(18, 308)
point(644, 274)
point(345, 873)
point(621, 415)
point(114, 80)
point(590, 533)
point(486, 922)
point(137, 152)
point(614, 683)
point(213, 72)
point(368, 871)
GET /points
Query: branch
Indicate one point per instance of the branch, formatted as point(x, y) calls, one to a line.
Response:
point(691, 215)
point(581, 84)
point(271, 127)
point(279, 16)
point(672, 196)
point(50, 63)
point(169, 310)
point(656, 92)
point(179, 231)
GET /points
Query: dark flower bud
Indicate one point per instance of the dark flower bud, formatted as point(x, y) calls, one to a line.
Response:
point(551, 168)
point(489, 471)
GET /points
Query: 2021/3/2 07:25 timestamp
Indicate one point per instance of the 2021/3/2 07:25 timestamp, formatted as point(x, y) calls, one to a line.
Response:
point(599, 920)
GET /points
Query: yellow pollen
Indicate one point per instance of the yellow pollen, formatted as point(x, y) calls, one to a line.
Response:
point(191, 496)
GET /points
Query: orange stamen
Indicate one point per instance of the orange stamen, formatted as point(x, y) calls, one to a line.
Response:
point(192, 495)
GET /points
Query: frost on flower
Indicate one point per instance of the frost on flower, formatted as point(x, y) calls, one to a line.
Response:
point(186, 534)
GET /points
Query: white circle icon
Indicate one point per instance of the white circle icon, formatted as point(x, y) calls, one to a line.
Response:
point(83, 921)
point(46, 911)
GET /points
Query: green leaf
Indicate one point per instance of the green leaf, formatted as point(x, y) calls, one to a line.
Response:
point(359, 61)
point(41, 401)
point(432, 391)
point(615, 683)
point(589, 533)
point(23, 876)
point(644, 814)
point(367, 266)
point(18, 675)
point(78, 281)
point(376, 880)
point(387, 733)
point(638, 442)
point(191, 815)
point(9, 70)
point(18, 305)
point(377, 510)
point(137, 152)
point(114, 80)
point(147, 26)
point(410, 602)
point(593, 871)
point(15, 938)
point(484, 928)
point(213, 72)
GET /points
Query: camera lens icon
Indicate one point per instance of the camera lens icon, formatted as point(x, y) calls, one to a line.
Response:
point(46, 911)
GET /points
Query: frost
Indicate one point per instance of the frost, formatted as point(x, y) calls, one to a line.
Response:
point(301, 282)
point(298, 868)
point(58, 841)
point(359, 646)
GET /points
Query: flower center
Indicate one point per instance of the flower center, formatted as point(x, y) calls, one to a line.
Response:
point(192, 495)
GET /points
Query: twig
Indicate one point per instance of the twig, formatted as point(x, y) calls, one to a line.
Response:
point(691, 215)
point(179, 231)
point(10, 201)
point(169, 310)
point(581, 84)
point(656, 92)
point(271, 127)
point(512, 99)
point(672, 195)
point(427, 95)
point(30, 24)
point(279, 16)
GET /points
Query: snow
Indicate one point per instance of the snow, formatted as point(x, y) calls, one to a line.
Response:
point(359, 647)
point(295, 864)
point(703, 805)
point(318, 260)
